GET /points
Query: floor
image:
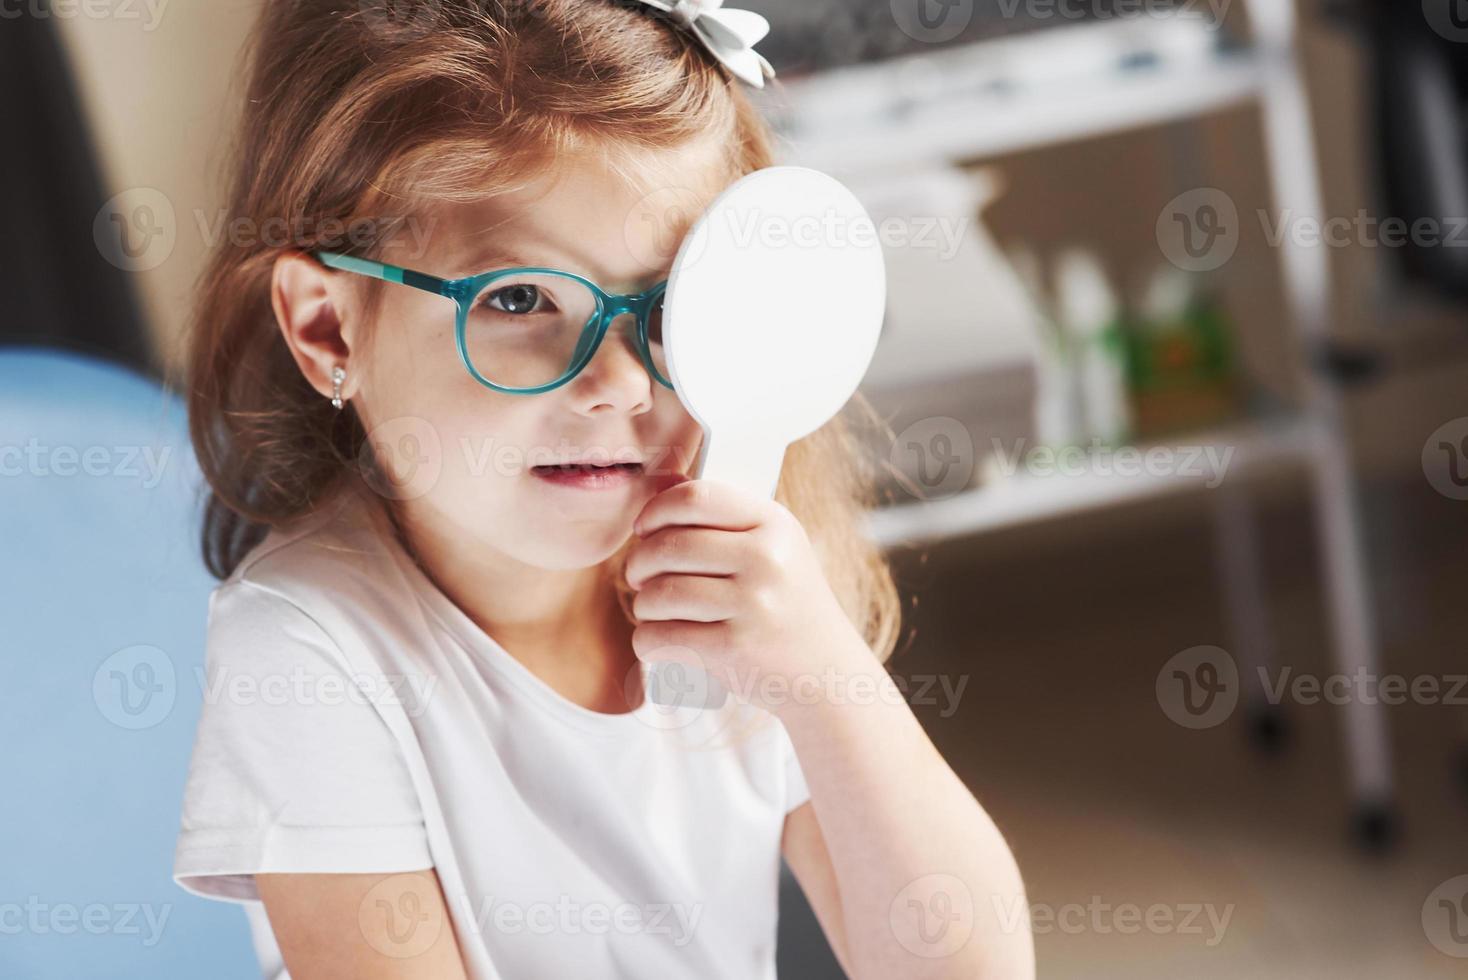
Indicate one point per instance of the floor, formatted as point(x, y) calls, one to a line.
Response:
point(1062, 631)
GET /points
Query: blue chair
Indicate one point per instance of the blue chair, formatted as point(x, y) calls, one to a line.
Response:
point(103, 599)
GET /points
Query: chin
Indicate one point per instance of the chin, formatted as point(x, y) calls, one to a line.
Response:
point(574, 546)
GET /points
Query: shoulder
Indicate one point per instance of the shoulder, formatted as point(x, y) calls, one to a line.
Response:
point(335, 553)
point(308, 588)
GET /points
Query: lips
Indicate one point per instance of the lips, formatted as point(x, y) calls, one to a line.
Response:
point(601, 458)
point(588, 467)
point(589, 476)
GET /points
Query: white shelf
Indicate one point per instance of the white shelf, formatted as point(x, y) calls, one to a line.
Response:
point(961, 105)
point(1024, 498)
point(996, 97)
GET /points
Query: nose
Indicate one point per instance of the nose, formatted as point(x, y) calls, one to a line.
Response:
point(616, 378)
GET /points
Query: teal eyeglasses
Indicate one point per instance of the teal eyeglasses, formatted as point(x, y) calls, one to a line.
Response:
point(526, 331)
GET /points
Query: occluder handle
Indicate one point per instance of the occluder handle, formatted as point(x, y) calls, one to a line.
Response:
point(754, 466)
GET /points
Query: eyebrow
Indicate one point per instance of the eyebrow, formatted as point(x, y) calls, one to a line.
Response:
point(491, 258)
point(494, 258)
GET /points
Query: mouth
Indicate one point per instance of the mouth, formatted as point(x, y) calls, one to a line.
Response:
point(588, 476)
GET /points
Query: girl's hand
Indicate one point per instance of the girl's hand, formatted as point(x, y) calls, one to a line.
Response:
point(729, 583)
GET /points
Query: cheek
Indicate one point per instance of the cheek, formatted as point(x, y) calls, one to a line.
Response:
point(412, 365)
point(484, 435)
point(684, 436)
point(435, 432)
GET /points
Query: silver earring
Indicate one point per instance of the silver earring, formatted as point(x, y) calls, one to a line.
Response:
point(338, 375)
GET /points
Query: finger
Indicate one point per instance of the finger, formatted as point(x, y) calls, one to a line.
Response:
point(687, 550)
point(674, 674)
point(691, 598)
point(681, 641)
point(707, 503)
point(663, 481)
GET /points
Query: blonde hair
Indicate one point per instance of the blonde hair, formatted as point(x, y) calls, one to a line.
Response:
point(350, 113)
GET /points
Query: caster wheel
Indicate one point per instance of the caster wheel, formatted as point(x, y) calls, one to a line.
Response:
point(1270, 730)
point(1376, 827)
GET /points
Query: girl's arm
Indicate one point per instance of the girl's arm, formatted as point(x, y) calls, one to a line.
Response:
point(362, 926)
point(805, 851)
point(924, 885)
point(905, 871)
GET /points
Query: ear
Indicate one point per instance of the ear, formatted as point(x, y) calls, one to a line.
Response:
point(309, 301)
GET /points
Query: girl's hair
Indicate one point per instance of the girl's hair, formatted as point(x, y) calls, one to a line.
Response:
point(357, 111)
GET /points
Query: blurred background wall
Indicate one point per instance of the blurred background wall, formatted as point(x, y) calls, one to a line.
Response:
point(156, 90)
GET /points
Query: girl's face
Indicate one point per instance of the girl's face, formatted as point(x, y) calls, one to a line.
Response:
point(459, 458)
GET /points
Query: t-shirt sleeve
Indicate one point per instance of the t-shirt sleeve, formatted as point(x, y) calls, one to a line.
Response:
point(796, 792)
point(293, 768)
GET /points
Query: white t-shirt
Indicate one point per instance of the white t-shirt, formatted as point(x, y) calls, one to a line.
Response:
point(356, 720)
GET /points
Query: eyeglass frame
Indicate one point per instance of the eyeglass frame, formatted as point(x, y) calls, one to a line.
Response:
point(464, 291)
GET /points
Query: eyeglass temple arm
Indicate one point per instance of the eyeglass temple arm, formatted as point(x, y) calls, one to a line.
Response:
point(385, 272)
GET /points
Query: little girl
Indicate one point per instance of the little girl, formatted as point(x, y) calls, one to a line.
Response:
point(453, 524)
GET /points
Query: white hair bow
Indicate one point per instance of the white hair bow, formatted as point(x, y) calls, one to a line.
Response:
point(729, 35)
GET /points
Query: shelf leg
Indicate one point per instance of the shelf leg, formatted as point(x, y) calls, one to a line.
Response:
point(1251, 639)
point(1295, 178)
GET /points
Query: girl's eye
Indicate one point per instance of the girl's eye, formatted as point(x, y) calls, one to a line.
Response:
point(519, 299)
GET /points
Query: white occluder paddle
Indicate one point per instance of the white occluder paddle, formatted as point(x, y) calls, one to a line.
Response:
point(771, 316)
